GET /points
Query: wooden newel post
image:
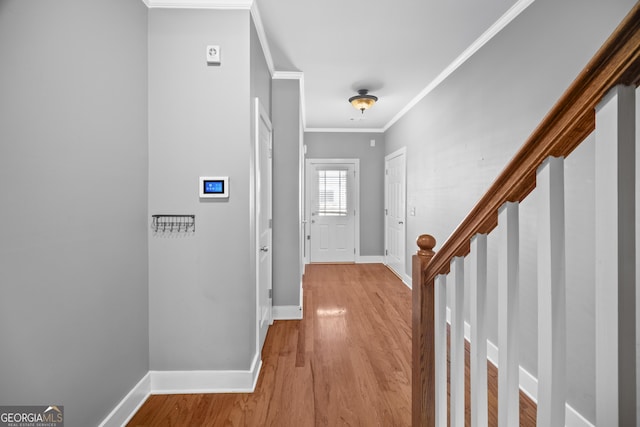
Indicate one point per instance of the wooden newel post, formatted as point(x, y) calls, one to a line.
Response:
point(423, 333)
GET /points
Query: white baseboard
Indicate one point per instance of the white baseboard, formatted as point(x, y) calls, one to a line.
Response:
point(528, 383)
point(128, 406)
point(182, 382)
point(287, 312)
point(574, 419)
point(407, 280)
point(370, 260)
point(366, 259)
point(186, 382)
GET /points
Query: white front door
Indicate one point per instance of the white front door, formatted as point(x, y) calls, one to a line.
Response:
point(395, 216)
point(332, 212)
point(263, 221)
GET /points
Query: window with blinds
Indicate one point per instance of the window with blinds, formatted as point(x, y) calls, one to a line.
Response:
point(332, 193)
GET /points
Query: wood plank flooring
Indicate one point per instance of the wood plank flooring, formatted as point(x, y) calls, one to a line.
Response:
point(348, 363)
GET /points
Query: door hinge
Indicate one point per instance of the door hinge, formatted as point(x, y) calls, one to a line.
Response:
point(386, 211)
point(270, 223)
point(386, 252)
point(354, 251)
point(386, 171)
point(354, 212)
point(270, 153)
point(308, 237)
point(271, 293)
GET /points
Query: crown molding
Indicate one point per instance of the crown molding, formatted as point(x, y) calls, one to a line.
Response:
point(222, 5)
point(200, 4)
point(262, 35)
point(497, 26)
point(251, 5)
point(288, 75)
point(295, 75)
point(345, 130)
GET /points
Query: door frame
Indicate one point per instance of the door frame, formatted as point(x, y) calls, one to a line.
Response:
point(400, 152)
point(260, 113)
point(356, 197)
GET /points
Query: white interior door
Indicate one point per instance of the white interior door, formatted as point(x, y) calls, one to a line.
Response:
point(263, 221)
point(332, 212)
point(395, 212)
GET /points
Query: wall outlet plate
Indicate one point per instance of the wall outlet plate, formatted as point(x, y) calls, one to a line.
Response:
point(213, 55)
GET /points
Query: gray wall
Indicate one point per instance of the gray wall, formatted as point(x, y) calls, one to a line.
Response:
point(73, 184)
point(347, 145)
point(464, 132)
point(286, 193)
point(202, 286)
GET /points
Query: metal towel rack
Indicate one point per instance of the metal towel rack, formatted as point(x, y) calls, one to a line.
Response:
point(171, 223)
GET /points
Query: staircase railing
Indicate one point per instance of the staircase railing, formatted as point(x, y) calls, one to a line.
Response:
point(601, 99)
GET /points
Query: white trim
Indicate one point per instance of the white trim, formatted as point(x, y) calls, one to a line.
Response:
point(398, 153)
point(404, 277)
point(260, 114)
point(303, 108)
point(528, 383)
point(288, 75)
point(295, 75)
point(183, 382)
point(250, 5)
point(574, 419)
point(262, 36)
point(407, 280)
point(287, 312)
point(200, 4)
point(346, 130)
point(356, 191)
point(127, 408)
point(370, 259)
point(497, 26)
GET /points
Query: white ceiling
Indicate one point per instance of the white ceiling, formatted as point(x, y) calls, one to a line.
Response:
point(399, 50)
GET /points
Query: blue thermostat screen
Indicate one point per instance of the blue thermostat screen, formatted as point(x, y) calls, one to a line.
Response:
point(214, 187)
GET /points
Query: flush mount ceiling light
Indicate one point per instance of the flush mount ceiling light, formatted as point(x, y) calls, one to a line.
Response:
point(363, 101)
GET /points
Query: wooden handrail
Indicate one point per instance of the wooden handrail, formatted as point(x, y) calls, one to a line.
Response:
point(568, 123)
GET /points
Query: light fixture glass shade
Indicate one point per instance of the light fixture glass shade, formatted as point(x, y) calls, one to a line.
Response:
point(363, 101)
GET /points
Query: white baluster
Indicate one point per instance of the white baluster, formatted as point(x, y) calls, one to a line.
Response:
point(552, 336)
point(478, 295)
point(508, 315)
point(441, 349)
point(455, 285)
point(615, 259)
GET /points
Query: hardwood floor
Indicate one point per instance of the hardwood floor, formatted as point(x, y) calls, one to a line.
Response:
point(348, 363)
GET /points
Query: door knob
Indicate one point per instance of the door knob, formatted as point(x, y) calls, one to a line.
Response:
point(265, 249)
point(400, 222)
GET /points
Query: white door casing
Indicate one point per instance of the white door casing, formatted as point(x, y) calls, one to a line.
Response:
point(333, 211)
point(395, 211)
point(264, 256)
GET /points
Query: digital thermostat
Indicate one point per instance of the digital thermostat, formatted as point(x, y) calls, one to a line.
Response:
point(212, 187)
